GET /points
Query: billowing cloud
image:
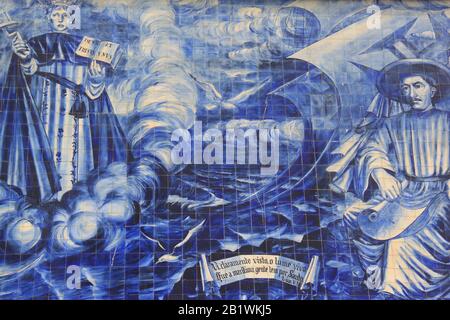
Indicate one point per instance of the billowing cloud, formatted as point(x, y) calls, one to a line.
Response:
point(259, 34)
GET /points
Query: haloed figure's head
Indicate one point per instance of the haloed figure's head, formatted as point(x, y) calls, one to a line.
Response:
point(418, 91)
point(59, 18)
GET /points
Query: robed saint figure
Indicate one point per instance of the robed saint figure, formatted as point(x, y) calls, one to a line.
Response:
point(56, 119)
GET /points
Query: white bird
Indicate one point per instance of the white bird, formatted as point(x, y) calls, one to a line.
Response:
point(153, 240)
point(216, 98)
point(190, 233)
point(168, 258)
point(172, 257)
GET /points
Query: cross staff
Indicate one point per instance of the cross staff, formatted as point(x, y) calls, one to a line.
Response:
point(10, 27)
point(6, 23)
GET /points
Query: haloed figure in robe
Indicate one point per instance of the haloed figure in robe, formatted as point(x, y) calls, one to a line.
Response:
point(408, 159)
point(57, 122)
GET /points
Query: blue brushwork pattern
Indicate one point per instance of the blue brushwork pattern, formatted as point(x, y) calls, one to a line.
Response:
point(141, 140)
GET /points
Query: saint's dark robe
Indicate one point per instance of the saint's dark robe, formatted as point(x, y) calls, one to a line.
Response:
point(47, 141)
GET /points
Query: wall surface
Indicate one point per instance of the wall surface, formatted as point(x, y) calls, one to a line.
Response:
point(198, 149)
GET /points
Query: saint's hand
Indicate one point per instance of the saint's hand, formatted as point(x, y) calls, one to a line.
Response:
point(389, 186)
point(20, 47)
point(97, 70)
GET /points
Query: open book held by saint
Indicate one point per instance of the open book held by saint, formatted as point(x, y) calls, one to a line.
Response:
point(57, 122)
